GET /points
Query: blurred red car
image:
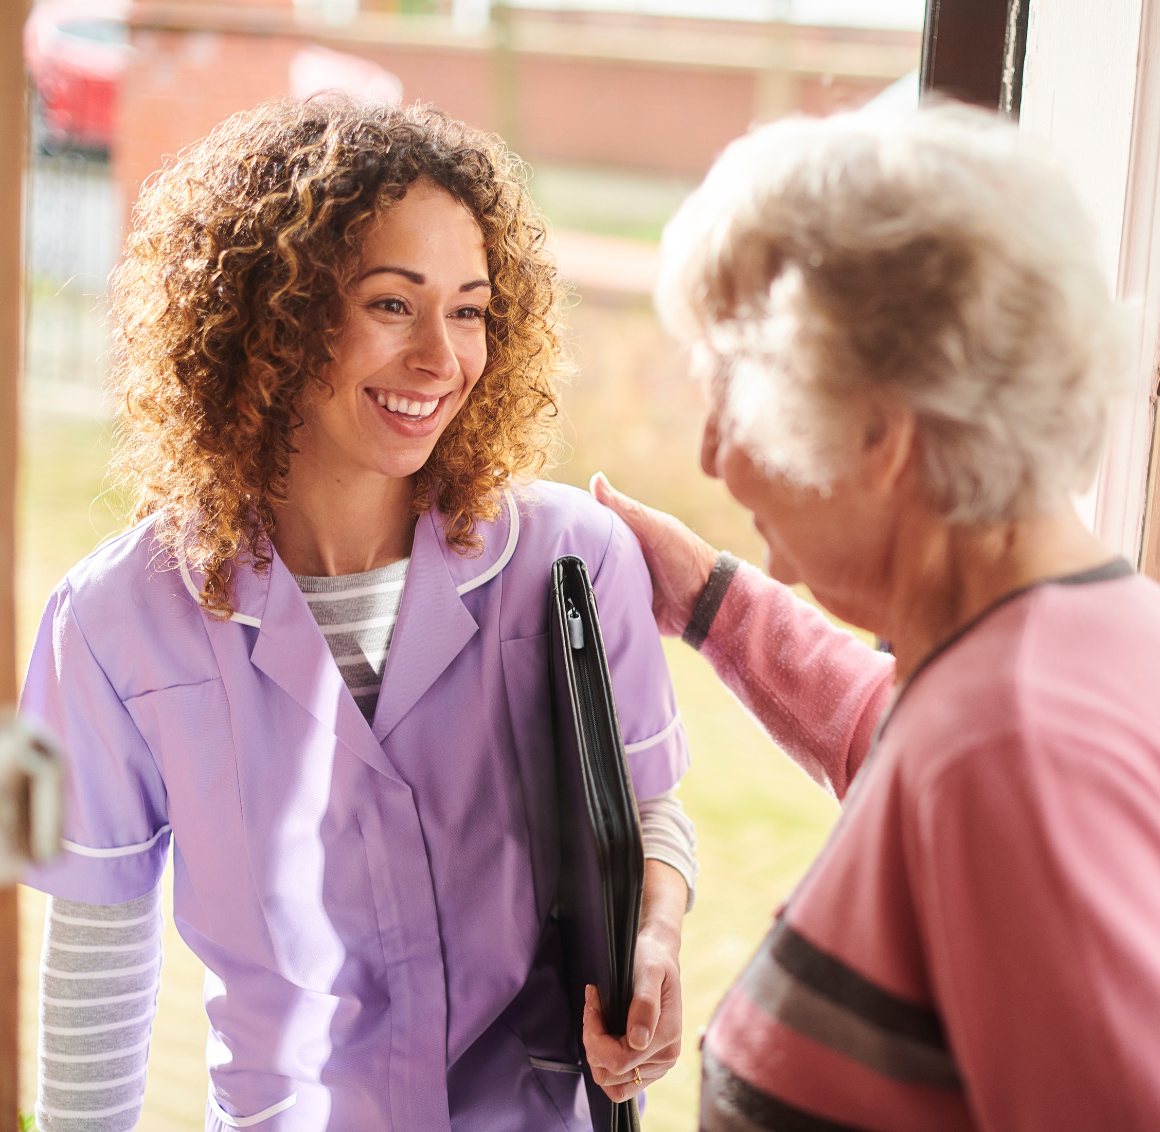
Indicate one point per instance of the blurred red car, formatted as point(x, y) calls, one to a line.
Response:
point(75, 53)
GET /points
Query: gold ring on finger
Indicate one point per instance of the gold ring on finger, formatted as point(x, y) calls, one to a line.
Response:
point(636, 1076)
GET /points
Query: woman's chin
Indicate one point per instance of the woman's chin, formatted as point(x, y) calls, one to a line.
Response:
point(779, 569)
point(401, 469)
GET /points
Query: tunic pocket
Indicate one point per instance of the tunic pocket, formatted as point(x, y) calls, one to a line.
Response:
point(554, 1066)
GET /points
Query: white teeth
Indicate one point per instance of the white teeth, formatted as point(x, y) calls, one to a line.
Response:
point(401, 405)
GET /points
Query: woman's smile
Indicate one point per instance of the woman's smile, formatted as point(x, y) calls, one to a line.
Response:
point(412, 414)
point(413, 406)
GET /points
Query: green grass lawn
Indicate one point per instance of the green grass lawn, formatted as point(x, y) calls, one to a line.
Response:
point(759, 820)
point(634, 206)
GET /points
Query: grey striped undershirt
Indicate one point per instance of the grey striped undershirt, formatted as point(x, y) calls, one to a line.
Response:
point(101, 965)
point(357, 615)
point(100, 970)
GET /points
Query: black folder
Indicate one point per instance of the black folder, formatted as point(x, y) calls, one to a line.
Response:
point(601, 856)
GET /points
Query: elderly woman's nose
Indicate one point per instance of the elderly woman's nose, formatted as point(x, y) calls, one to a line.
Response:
point(711, 372)
point(711, 440)
point(709, 446)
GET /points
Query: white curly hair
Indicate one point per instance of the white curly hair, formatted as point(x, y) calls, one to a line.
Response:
point(936, 255)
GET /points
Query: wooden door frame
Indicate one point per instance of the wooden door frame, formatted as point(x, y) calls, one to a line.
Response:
point(1126, 495)
point(12, 147)
point(1150, 554)
point(1145, 186)
point(1092, 91)
point(972, 50)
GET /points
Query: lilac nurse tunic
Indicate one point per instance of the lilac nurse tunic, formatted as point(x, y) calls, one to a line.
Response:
point(372, 903)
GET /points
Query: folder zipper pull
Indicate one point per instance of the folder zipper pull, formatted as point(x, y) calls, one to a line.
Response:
point(575, 628)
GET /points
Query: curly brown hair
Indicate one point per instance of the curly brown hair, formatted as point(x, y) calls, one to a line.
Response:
point(233, 290)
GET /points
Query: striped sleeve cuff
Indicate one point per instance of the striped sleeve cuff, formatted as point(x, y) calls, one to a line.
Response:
point(99, 979)
point(667, 835)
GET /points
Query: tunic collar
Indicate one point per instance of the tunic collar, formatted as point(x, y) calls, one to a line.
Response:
point(500, 536)
point(433, 627)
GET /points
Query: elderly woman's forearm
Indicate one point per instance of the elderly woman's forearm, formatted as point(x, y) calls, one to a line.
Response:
point(816, 690)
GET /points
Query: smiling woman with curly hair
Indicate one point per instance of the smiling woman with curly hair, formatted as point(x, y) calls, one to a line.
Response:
point(233, 293)
point(318, 663)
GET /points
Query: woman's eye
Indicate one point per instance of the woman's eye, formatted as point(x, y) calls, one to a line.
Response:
point(466, 314)
point(391, 306)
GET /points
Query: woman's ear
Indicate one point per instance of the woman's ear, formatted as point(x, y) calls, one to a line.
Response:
point(889, 443)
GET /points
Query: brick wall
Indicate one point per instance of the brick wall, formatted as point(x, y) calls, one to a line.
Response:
point(182, 84)
point(649, 94)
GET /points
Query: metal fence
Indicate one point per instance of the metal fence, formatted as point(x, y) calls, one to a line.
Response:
point(72, 240)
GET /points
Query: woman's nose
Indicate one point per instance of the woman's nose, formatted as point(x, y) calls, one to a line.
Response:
point(431, 348)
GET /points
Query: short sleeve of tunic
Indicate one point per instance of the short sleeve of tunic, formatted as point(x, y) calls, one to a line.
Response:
point(654, 740)
point(115, 826)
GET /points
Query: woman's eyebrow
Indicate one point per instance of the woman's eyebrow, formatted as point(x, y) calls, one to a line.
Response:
point(417, 278)
point(387, 269)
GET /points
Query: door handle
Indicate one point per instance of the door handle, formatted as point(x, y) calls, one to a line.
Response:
point(31, 809)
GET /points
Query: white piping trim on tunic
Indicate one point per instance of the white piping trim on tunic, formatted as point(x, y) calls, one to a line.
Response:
point(467, 587)
point(119, 851)
point(257, 1118)
point(508, 551)
point(653, 740)
point(195, 593)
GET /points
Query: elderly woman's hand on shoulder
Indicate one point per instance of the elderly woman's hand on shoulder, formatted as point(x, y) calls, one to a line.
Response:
point(678, 560)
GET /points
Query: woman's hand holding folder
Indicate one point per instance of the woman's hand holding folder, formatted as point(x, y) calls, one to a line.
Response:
point(653, 1041)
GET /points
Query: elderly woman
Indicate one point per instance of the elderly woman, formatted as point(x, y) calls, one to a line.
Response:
point(913, 352)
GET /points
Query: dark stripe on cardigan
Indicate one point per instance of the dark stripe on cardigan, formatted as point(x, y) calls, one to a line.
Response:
point(833, 979)
point(725, 1097)
point(710, 600)
point(777, 993)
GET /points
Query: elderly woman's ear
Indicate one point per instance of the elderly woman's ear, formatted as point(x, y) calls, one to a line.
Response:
point(889, 446)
